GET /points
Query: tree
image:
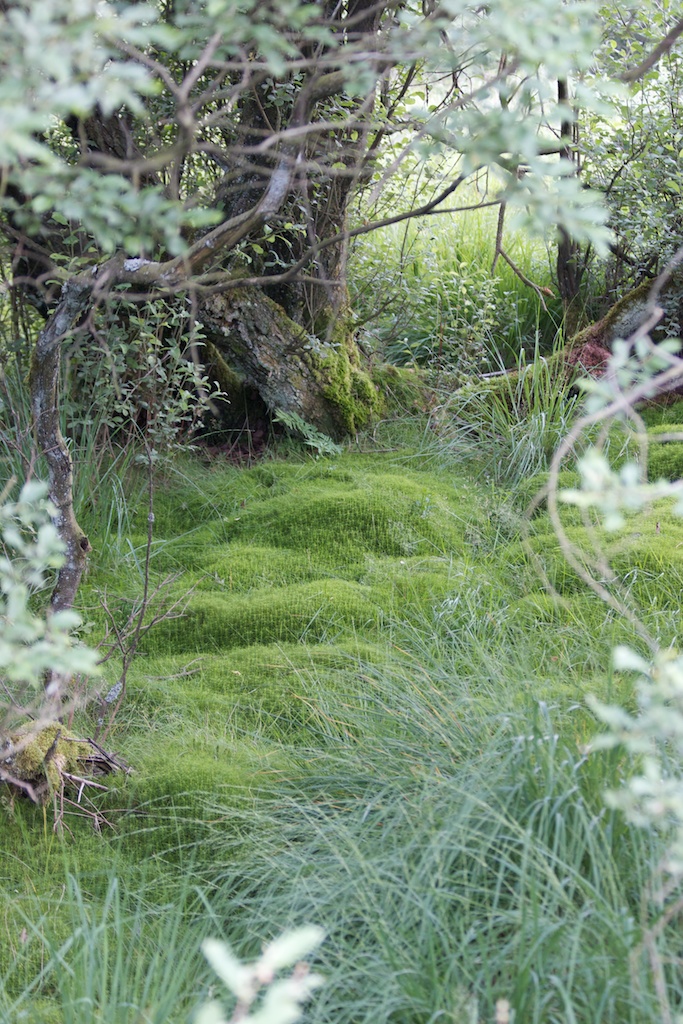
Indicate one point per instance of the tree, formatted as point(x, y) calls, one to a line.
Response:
point(630, 153)
point(207, 153)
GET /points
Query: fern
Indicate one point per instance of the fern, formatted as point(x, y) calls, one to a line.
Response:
point(306, 432)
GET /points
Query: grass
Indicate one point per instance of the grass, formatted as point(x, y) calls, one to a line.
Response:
point(424, 292)
point(507, 428)
point(499, 878)
point(115, 959)
point(373, 718)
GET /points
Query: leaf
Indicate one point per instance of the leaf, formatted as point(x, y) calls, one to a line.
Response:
point(291, 947)
point(232, 973)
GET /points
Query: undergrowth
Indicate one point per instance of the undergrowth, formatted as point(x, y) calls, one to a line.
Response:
point(372, 717)
point(424, 293)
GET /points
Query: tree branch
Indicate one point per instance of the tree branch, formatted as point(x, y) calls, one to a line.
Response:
point(662, 47)
point(44, 385)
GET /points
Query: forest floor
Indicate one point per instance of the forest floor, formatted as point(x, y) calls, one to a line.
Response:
point(372, 716)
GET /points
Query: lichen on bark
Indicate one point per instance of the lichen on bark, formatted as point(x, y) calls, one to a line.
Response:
point(292, 370)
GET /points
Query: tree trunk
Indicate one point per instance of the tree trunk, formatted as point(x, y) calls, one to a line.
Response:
point(292, 370)
point(629, 312)
point(44, 384)
point(568, 252)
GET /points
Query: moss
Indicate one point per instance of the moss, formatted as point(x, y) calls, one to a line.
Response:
point(527, 491)
point(227, 379)
point(349, 390)
point(665, 461)
point(41, 1011)
point(649, 564)
point(665, 411)
point(417, 581)
point(336, 365)
point(43, 755)
point(311, 611)
point(241, 568)
point(645, 561)
point(390, 515)
point(179, 777)
point(523, 561)
point(267, 691)
point(405, 390)
point(665, 458)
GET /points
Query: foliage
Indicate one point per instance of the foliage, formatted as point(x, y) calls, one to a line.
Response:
point(654, 797)
point(98, 60)
point(631, 153)
point(283, 999)
point(38, 653)
point(144, 363)
point(424, 293)
point(509, 425)
point(79, 52)
point(30, 643)
point(298, 427)
point(155, 124)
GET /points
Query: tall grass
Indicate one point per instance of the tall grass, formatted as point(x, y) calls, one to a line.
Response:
point(455, 859)
point(507, 428)
point(98, 468)
point(424, 292)
point(116, 958)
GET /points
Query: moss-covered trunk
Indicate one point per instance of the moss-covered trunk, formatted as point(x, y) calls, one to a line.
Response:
point(320, 379)
point(629, 312)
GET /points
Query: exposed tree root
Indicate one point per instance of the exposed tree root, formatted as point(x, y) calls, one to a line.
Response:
point(48, 763)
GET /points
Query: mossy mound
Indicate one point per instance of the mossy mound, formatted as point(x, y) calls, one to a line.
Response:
point(665, 458)
point(308, 611)
point(42, 1011)
point(417, 581)
point(241, 568)
point(309, 576)
point(532, 489)
point(266, 690)
point(650, 570)
point(168, 799)
point(540, 557)
point(405, 389)
point(662, 413)
point(395, 516)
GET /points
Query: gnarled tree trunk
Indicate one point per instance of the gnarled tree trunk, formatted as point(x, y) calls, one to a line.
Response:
point(319, 379)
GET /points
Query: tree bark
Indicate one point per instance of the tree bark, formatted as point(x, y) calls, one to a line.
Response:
point(568, 251)
point(293, 371)
point(629, 312)
point(44, 385)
